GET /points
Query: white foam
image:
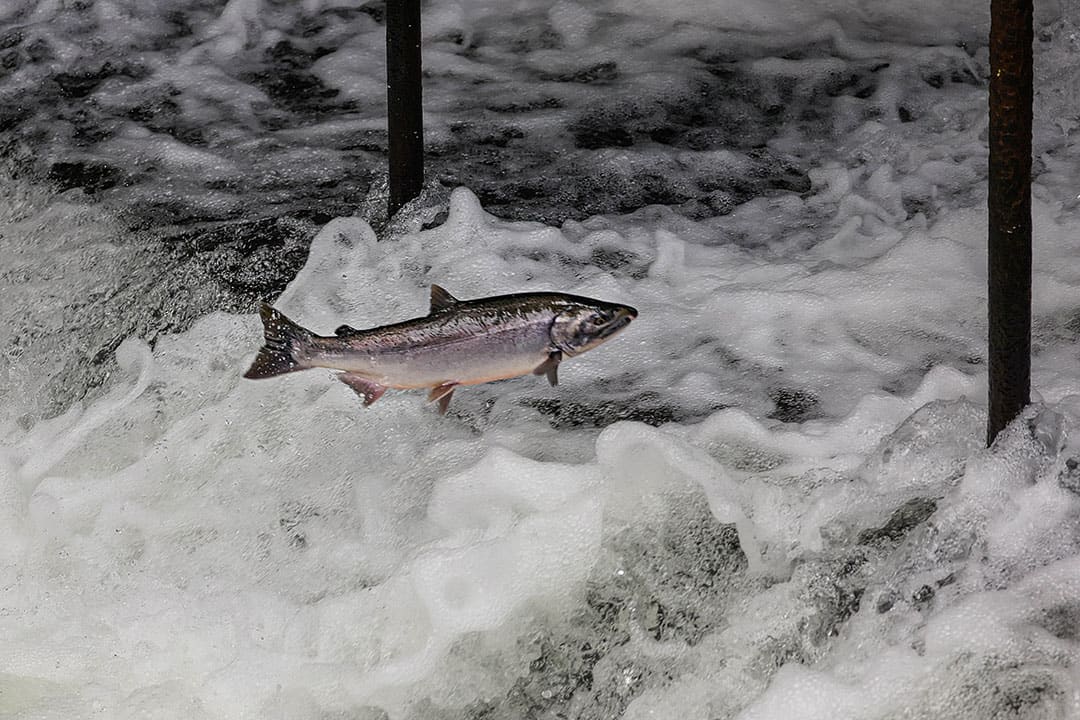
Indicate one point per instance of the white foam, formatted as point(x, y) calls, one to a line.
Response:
point(368, 548)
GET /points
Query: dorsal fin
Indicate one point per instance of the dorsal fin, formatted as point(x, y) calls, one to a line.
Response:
point(345, 331)
point(440, 299)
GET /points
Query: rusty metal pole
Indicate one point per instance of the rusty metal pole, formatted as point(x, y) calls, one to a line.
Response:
point(1009, 239)
point(405, 116)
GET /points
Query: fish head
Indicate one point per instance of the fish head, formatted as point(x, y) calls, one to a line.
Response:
point(582, 326)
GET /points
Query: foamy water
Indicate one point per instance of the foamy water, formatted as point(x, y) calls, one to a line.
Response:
point(767, 498)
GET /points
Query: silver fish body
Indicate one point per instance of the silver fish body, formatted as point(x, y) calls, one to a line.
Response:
point(457, 343)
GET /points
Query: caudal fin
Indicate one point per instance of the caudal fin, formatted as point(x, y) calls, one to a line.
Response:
point(284, 349)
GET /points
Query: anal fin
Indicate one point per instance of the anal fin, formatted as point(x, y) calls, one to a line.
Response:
point(442, 393)
point(550, 367)
point(369, 390)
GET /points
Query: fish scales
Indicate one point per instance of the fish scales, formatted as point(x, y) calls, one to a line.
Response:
point(471, 348)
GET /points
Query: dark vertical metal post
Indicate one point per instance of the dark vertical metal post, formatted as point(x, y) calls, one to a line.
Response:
point(1009, 241)
point(405, 117)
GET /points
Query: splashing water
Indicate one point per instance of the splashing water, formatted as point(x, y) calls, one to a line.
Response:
point(195, 545)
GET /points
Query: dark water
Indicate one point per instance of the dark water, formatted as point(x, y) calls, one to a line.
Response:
point(218, 139)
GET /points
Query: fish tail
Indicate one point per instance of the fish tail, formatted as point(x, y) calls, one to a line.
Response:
point(286, 346)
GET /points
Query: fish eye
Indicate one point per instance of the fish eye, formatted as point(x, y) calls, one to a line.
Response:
point(597, 320)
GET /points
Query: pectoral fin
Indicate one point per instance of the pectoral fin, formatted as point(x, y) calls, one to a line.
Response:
point(442, 393)
point(370, 391)
point(550, 367)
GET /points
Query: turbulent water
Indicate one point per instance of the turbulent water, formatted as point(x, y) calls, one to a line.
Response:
point(767, 498)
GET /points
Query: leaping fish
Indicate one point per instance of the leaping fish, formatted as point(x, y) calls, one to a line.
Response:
point(460, 342)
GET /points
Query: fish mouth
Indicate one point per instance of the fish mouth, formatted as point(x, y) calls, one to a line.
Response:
point(621, 320)
point(589, 337)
